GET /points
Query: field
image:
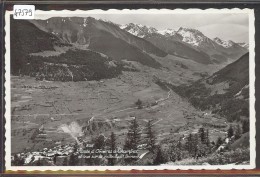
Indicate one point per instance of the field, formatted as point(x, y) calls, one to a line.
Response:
point(41, 108)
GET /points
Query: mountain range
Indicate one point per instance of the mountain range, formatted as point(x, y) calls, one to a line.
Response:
point(113, 46)
point(189, 43)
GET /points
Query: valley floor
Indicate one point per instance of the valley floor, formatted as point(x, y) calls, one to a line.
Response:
point(102, 106)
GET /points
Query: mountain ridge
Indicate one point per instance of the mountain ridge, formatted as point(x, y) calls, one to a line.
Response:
point(79, 27)
point(168, 31)
point(110, 41)
point(218, 50)
point(72, 65)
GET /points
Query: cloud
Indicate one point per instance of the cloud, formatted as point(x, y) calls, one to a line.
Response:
point(239, 19)
point(235, 32)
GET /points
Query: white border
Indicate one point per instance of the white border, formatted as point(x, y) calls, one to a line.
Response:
point(250, 13)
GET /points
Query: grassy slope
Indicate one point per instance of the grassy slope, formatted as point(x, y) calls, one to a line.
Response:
point(73, 65)
point(200, 94)
point(119, 49)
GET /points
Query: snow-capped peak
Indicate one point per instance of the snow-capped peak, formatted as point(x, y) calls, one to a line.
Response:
point(139, 25)
point(169, 32)
point(123, 26)
point(191, 30)
point(244, 45)
point(226, 44)
point(191, 36)
point(138, 29)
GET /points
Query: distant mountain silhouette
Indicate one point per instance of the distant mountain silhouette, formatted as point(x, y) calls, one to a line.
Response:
point(189, 43)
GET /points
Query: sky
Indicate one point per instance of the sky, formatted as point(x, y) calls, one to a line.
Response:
point(225, 26)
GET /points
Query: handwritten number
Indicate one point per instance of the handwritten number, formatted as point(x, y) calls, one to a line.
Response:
point(17, 12)
point(22, 12)
point(30, 12)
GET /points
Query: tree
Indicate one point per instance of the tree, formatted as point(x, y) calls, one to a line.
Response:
point(202, 135)
point(179, 150)
point(73, 161)
point(55, 158)
point(172, 153)
point(132, 139)
point(65, 162)
point(159, 159)
point(238, 132)
point(219, 142)
point(99, 142)
point(189, 144)
point(207, 138)
point(195, 143)
point(139, 103)
point(230, 131)
point(112, 146)
point(133, 136)
point(245, 126)
point(150, 137)
point(202, 150)
point(175, 151)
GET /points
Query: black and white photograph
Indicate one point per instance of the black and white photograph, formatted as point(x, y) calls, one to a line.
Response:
point(116, 89)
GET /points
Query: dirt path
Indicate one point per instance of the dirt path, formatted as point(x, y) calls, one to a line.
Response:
point(164, 99)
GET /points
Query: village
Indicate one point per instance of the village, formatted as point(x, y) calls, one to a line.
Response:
point(62, 153)
point(83, 151)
